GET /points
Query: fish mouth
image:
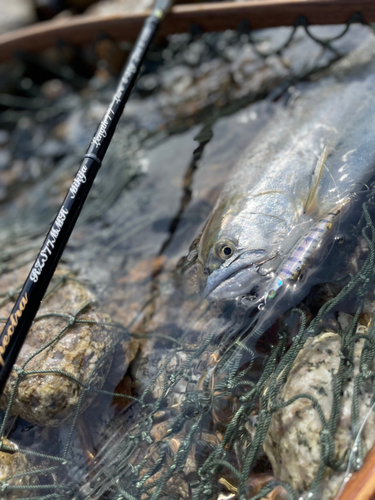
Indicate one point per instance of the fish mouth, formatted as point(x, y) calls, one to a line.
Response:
point(233, 281)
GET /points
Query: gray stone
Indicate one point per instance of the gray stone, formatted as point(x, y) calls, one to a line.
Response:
point(76, 350)
point(293, 443)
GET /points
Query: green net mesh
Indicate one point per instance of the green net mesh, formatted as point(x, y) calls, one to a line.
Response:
point(204, 419)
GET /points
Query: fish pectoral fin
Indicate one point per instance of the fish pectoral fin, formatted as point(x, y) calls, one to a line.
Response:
point(311, 203)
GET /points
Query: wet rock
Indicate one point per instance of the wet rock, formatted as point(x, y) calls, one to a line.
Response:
point(178, 487)
point(177, 80)
point(257, 481)
point(145, 368)
point(246, 62)
point(5, 157)
point(4, 137)
point(110, 7)
point(16, 14)
point(53, 148)
point(10, 465)
point(79, 350)
point(293, 443)
point(220, 69)
point(11, 172)
point(54, 89)
point(159, 430)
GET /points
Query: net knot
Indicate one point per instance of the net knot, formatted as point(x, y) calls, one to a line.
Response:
point(207, 490)
point(326, 440)
point(366, 372)
point(72, 320)
point(20, 372)
point(272, 406)
point(364, 278)
point(194, 403)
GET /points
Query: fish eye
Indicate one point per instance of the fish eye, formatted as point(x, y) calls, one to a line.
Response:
point(340, 239)
point(225, 249)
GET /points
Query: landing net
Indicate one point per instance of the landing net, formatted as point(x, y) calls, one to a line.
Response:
point(205, 422)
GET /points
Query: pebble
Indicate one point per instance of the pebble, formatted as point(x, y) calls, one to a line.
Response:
point(11, 464)
point(53, 89)
point(5, 158)
point(293, 442)
point(113, 7)
point(4, 137)
point(51, 399)
point(16, 14)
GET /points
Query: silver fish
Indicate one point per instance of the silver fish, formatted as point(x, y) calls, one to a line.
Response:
point(315, 154)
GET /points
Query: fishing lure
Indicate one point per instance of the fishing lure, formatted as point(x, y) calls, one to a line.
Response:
point(292, 266)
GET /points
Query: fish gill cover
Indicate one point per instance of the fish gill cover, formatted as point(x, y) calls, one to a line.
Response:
point(131, 385)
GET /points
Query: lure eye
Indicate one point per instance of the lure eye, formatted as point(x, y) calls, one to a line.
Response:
point(225, 249)
point(271, 294)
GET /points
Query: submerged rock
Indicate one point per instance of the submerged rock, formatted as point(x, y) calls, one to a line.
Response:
point(10, 465)
point(69, 346)
point(220, 69)
point(112, 7)
point(16, 14)
point(294, 440)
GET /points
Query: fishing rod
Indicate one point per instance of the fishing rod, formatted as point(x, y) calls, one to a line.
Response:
point(36, 284)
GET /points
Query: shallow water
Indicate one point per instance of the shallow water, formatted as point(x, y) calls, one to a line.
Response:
point(199, 393)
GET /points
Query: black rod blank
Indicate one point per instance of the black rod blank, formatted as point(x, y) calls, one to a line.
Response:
point(36, 284)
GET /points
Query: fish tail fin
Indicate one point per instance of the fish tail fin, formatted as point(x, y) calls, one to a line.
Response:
point(312, 202)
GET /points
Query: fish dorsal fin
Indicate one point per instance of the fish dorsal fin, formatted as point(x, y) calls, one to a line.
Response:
point(312, 203)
